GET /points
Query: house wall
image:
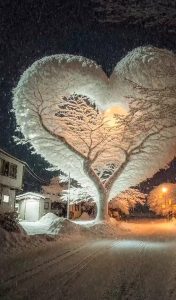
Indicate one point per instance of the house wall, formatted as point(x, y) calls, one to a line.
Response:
point(44, 203)
point(7, 194)
point(21, 209)
point(12, 177)
point(11, 174)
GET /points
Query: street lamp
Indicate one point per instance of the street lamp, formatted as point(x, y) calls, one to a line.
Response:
point(164, 190)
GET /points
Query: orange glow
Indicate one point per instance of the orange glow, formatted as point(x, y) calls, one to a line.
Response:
point(110, 112)
point(170, 202)
point(164, 189)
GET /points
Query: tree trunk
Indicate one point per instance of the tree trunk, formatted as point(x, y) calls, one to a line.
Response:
point(102, 205)
point(102, 208)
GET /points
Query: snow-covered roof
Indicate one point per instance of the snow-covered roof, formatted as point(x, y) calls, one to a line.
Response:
point(9, 155)
point(30, 195)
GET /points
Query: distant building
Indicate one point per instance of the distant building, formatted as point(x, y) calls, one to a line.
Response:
point(75, 210)
point(11, 176)
point(32, 206)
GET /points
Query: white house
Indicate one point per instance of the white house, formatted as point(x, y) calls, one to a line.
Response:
point(32, 206)
point(11, 175)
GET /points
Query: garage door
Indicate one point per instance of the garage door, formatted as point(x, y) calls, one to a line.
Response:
point(32, 210)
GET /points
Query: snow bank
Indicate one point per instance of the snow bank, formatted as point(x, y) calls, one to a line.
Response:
point(69, 227)
point(48, 218)
point(49, 224)
point(13, 242)
point(107, 229)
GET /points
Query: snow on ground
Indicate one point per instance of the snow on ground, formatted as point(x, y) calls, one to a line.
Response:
point(48, 224)
point(84, 217)
point(12, 242)
point(52, 225)
point(139, 264)
point(51, 228)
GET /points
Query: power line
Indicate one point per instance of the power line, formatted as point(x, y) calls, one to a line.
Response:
point(35, 176)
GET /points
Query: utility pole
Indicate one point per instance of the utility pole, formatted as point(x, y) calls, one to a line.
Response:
point(68, 197)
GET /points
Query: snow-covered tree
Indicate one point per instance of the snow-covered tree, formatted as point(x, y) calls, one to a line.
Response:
point(75, 195)
point(162, 199)
point(54, 189)
point(127, 200)
point(110, 134)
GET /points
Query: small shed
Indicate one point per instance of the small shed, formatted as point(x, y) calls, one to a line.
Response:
point(32, 206)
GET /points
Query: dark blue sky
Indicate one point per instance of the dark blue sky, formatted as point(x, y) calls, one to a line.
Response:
point(31, 29)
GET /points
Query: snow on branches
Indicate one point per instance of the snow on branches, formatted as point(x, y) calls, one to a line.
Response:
point(75, 195)
point(110, 134)
point(127, 200)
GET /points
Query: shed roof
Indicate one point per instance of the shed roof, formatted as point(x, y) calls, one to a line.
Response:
point(30, 195)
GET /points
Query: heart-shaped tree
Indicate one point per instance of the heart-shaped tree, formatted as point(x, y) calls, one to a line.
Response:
point(108, 133)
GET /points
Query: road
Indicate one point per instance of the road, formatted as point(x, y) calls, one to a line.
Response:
point(140, 265)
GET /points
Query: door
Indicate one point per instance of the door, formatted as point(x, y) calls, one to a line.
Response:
point(32, 210)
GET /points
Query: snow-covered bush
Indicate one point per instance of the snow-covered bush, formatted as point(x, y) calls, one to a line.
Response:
point(9, 222)
point(126, 201)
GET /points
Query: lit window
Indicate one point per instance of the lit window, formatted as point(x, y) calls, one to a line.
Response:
point(6, 198)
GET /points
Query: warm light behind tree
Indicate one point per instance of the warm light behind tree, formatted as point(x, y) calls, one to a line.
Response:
point(162, 199)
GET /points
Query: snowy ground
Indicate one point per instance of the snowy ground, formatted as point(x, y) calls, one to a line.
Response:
point(48, 224)
point(139, 263)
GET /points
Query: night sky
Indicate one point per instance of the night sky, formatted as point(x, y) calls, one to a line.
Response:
point(101, 30)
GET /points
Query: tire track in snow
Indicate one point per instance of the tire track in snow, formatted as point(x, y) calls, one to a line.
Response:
point(126, 284)
point(142, 275)
point(75, 271)
point(17, 279)
point(17, 286)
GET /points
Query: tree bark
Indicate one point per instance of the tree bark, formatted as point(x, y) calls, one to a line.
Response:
point(102, 207)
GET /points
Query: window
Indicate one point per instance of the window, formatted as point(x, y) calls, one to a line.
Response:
point(8, 169)
point(46, 205)
point(1, 163)
point(5, 168)
point(6, 198)
point(13, 171)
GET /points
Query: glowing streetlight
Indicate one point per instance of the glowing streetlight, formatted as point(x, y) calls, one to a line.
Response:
point(164, 189)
